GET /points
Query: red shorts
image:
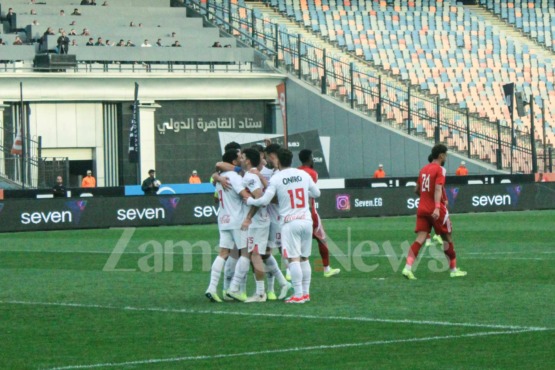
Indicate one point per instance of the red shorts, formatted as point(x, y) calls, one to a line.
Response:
point(317, 228)
point(441, 226)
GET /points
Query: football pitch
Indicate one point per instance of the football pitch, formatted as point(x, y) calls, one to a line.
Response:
point(134, 299)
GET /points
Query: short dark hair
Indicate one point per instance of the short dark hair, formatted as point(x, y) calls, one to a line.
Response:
point(304, 155)
point(232, 145)
point(285, 157)
point(259, 148)
point(253, 156)
point(230, 155)
point(437, 150)
point(430, 159)
point(272, 148)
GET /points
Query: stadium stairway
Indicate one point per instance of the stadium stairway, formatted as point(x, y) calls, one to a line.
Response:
point(511, 31)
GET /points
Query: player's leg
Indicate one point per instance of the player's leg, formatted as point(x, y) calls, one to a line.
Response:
point(226, 243)
point(257, 241)
point(423, 228)
point(229, 270)
point(319, 234)
point(444, 227)
point(242, 268)
point(306, 249)
point(291, 244)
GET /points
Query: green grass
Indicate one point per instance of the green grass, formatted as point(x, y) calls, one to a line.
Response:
point(59, 307)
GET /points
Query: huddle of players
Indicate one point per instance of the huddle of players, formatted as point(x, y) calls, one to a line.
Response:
point(248, 234)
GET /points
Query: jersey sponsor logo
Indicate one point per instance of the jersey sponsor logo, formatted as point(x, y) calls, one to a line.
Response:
point(224, 219)
point(206, 211)
point(132, 214)
point(343, 202)
point(368, 203)
point(292, 180)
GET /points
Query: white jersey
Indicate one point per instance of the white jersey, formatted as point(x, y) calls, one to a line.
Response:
point(294, 188)
point(232, 210)
point(273, 209)
point(261, 218)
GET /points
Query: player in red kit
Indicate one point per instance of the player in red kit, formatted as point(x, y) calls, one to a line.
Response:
point(432, 212)
point(318, 233)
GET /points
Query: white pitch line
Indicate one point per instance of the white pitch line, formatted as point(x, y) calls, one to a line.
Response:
point(287, 350)
point(276, 315)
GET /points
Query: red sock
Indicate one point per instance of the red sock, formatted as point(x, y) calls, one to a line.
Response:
point(324, 252)
point(413, 252)
point(450, 253)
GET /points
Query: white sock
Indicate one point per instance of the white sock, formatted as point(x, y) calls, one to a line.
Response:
point(327, 268)
point(243, 287)
point(228, 271)
point(307, 275)
point(259, 287)
point(408, 267)
point(215, 273)
point(241, 270)
point(273, 268)
point(296, 278)
point(270, 278)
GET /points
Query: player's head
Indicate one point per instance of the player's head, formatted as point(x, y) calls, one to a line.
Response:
point(271, 154)
point(439, 153)
point(251, 157)
point(285, 158)
point(232, 145)
point(260, 149)
point(305, 156)
point(231, 156)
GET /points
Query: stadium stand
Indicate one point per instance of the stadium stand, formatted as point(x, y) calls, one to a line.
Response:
point(442, 48)
point(131, 21)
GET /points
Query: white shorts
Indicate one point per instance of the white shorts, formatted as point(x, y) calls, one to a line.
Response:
point(274, 240)
point(296, 239)
point(257, 238)
point(232, 238)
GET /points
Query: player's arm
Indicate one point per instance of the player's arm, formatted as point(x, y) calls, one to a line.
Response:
point(265, 199)
point(224, 166)
point(313, 190)
point(438, 192)
point(216, 177)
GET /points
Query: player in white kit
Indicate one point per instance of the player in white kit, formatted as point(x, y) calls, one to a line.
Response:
point(293, 188)
point(230, 218)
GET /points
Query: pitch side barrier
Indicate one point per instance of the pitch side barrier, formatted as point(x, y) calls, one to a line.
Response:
point(187, 209)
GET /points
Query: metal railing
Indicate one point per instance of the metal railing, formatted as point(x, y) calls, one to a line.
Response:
point(388, 100)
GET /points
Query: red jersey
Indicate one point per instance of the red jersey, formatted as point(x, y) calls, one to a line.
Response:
point(311, 172)
point(430, 176)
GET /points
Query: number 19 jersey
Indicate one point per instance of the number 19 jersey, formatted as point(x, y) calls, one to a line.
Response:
point(294, 188)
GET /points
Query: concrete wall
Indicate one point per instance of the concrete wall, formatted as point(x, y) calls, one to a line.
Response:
point(359, 144)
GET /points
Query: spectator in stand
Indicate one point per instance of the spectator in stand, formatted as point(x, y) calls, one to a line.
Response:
point(18, 41)
point(159, 42)
point(194, 179)
point(541, 177)
point(146, 44)
point(105, 3)
point(72, 33)
point(63, 44)
point(462, 170)
point(99, 42)
point(33, 12)
point(76, 12)
point(73, 23)
point(35, 22)
point(74, 42)
point(121, 43)
point(85, 2)
point(174, 34)
point(176, 44)
point(59, 190)
point(2, 42)
point(88, 181)
point(62, 13)
point(90, 42)
point(85, 32)
point(140, 25)
point(379, 173)
point(10, 17)
point(217, 45)
point(130, 43)
point(109, 43)
point(132, 24)
point(93, 2)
